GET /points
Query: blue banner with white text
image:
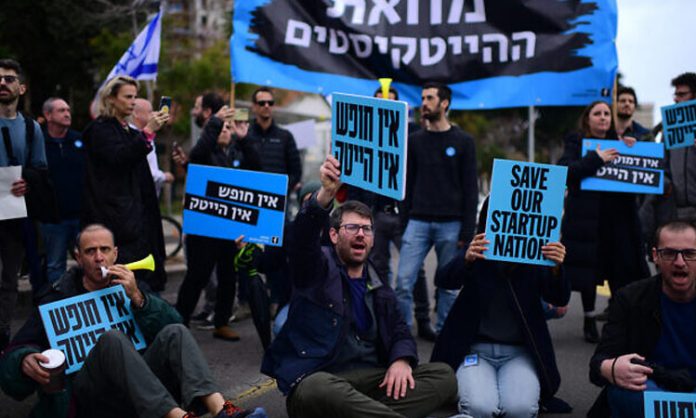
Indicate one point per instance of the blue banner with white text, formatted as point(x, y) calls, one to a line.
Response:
point(493, 54)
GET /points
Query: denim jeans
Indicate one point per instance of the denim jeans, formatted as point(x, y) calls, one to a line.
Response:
point(504, 381)
point(58, 240)
point(418, 238)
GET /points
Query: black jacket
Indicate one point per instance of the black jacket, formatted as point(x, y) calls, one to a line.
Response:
point(278, 151)
point(633, 327)
point(525, 286)
point(119, 193)
point(66, 165)
point(594, 221)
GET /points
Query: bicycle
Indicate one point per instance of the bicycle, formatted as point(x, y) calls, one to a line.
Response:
point(173, 236)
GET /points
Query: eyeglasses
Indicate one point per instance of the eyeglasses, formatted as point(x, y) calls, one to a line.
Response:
point(681, 94)
point(263, 103)
point(9, 79)
point(670, 254)
point(354, 228)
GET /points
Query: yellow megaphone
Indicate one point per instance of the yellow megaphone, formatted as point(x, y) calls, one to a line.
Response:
point(147, 263)
point(385, 83)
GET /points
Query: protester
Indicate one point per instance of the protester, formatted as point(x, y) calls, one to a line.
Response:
point(345, 350)
point(679, 198)
point(205, 106)
point(66, 164)
point(141, 115)
point(495, 336)
point(17, 130)
point(627, 101)
point(219, 147)
point(600, 229)
point(648, 342)
point(388, 230)
point(441, 197)
point(119, 191)
point(279, 154)
point(115, 380)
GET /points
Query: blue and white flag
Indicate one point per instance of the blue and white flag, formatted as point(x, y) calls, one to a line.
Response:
point(140, 60)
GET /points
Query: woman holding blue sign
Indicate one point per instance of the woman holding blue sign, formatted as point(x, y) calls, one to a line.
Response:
point(601, 229)
point(496, 337)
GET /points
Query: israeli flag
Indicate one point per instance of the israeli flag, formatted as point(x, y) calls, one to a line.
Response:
point(140, 60)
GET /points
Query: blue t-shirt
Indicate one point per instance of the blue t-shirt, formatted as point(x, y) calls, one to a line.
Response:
point(361, 314)
point(676, 348)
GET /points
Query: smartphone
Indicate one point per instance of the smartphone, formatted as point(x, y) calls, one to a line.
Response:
point(165, 104)
point(241, 114)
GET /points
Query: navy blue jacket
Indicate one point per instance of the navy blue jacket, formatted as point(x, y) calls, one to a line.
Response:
point(525, 285)
point(66, 166)
point(319, 318)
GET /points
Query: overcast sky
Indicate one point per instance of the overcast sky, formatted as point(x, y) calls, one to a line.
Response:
point(656, 42)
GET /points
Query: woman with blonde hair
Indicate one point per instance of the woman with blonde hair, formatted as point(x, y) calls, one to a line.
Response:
point(119, 191)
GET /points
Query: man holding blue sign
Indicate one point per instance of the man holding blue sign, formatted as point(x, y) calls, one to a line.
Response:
point(115, 380)
point(648, 342)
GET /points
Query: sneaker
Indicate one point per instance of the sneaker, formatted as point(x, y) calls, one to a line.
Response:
point(241, 312)
point(207, 323)
point(226, 333)
point(231, 410)
point(201, 316)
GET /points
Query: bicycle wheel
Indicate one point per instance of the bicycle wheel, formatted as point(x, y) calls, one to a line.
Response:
point(173, 238)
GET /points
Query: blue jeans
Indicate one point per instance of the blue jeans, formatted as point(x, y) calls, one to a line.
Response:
point(504, 381)
point(58, 240)
point(418, 238)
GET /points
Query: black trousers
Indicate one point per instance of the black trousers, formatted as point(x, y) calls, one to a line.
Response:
point(116, 381)
point(204, 254)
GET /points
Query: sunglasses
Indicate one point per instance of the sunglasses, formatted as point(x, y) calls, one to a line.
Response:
point(9, 79)
point(263, 103)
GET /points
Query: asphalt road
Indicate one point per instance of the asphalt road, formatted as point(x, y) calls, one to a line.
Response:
point(235, 365)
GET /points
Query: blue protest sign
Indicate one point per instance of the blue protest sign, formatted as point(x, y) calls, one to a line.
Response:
point(638, 169)
point(546, 53)
point(679, 124)
point(524, 210)
point(226, 203)
point(74, 325)
point(369, 139)
point(660, 404)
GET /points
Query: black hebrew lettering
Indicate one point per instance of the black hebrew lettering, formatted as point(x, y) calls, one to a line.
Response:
point(59, 320)
point(127, 327)
point(89, 312)
point(74, 314)
point(353, 120)
point(458, 41)
point(682, 114)
point(389, 166)
point(679, 134)
point(673, 409)
point(348, 154)
point(223, 210)
point(64, 346)
point(105, 300)
point(630, 175)
point(79, 348)
point(265, 200)
point(389, 120)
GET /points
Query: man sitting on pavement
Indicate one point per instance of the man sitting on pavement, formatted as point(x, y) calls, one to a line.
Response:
point(345, 350)
point(649, 336)
point(115, 380)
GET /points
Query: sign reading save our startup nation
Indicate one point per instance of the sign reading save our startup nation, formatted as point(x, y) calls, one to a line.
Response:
point(524, 210)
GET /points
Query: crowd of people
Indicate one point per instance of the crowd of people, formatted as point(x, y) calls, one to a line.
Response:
point(343, 341)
